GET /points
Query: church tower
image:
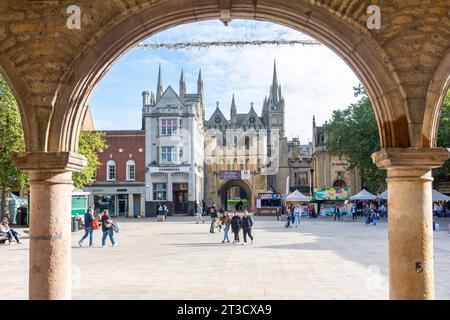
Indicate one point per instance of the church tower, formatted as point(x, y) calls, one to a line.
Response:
point(233, 112)
point(274, 106)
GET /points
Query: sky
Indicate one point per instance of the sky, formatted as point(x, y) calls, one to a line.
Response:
point(314, 80)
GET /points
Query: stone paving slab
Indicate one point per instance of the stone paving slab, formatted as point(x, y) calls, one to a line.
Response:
point(179, 259)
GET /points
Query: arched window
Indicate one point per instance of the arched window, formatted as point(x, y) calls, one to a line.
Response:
point(131, 170)
point(111, 170)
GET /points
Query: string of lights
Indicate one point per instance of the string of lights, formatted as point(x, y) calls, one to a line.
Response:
point(240, 43)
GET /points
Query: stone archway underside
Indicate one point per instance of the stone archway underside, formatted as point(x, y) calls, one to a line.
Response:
point(52, 70)
point(237, 183)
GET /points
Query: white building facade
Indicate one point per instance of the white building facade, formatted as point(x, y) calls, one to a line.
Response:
point(174, 147)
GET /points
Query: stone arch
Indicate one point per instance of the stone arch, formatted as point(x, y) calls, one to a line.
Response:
point(20, 91)
point(237, 183)
point(436, 94)
point(348, 39)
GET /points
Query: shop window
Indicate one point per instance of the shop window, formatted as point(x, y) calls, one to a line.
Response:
point(159, 192)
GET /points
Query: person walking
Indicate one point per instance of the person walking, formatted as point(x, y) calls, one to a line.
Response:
point(107, 228)
point(297, 215)
point(88, 229)
point(337, 213)
point(236, 224)
point(166, 211)
point(226, 222)
point(213, 214)
point(247, 224)
point(289, 215)
point(10, 233)
point(198, 212)
point(354, 212)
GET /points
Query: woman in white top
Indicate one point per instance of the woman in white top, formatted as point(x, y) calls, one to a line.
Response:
point(297, 215)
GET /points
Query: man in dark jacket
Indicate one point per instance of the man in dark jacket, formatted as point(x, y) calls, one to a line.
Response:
point(236, 224)
point(247, 224)
point(213, 214)
point(88, 230)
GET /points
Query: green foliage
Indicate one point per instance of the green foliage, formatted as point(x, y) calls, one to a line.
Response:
point(11, 140)
point(89, 145)
point(443, 135)
point(353, 133)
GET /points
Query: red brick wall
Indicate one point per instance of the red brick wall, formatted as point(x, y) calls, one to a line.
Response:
point(130, 142)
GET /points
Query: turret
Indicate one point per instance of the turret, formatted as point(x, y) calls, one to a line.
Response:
point(233, 111)
point(159, 87)
point(182, 84)
point(145, 99)
point(200, 83)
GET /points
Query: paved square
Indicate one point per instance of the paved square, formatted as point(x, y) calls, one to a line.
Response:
point(179, 259)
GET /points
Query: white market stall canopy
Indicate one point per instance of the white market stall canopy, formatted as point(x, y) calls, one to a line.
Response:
point(383, 196)
point(297, 196)
point(363, 195)
point(437, 196)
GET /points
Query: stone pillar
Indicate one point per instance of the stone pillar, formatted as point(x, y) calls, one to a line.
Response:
point(50, 221)
point(169, 188)
point(130, 205)
point(410, 233)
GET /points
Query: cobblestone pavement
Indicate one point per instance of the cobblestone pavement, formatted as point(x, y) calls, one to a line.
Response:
point(179, 259)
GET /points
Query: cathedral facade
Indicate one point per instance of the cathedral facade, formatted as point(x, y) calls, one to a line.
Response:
point(243, 150)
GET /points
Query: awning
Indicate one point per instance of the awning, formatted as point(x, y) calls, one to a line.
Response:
point(297, 196)
point(363, 195)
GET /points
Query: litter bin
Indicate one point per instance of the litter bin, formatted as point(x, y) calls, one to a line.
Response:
point(75, 224)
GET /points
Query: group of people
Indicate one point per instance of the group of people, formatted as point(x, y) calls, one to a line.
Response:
point(8, 232)
point(294, 214)
point(162, 210)
point(109, 227)
point(226, 222)
point(441, 209)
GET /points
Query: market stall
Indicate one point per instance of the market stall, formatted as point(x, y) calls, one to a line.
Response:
point(268, 204)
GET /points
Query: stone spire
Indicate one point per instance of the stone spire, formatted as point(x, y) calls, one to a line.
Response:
point(182, 84)
point(200, 83)
point(159, 87)
point(275, 88)
point(233, 110)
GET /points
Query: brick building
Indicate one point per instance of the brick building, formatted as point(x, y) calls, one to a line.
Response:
point(120, 180)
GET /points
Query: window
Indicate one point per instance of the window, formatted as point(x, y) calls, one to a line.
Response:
point(159, 191)
point(131, 170)
point(301, 178)
point(168, 154)
point(169, 127)
point(111, 170)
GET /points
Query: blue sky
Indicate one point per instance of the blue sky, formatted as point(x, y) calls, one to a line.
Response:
point(314, 80)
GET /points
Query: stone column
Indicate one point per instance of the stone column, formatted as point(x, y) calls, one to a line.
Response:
point(410, 233)
point(130, 205)
point(169, 188)
point(50, 221)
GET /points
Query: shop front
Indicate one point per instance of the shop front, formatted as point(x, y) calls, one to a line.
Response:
point(120, 202)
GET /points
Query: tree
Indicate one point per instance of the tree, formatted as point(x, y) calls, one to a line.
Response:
point(443, 136)
point(353, 133)
point(89, 145)
point(11, 140)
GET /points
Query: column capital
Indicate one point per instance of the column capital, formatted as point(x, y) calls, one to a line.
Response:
point(49, 161)
point(410, 158)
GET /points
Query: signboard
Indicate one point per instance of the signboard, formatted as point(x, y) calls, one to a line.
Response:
point(331, 194)
point(235, 175)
